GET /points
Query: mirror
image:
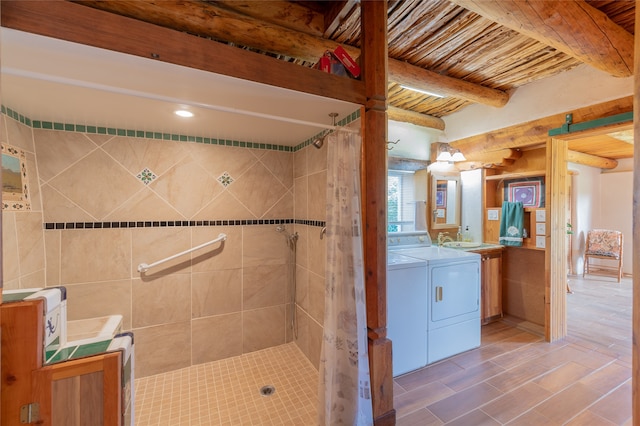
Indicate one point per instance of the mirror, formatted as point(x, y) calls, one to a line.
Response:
point(445, 201)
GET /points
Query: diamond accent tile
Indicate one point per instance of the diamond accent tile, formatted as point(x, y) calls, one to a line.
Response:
point(225, 179)
point(146, 176)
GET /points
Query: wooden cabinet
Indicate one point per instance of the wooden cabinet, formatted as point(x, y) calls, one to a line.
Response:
point(491, 282)
point(82, 391)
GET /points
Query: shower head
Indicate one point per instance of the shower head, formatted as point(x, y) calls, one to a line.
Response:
point(318, 142)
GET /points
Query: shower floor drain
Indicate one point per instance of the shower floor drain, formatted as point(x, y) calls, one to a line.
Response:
point(267, 390)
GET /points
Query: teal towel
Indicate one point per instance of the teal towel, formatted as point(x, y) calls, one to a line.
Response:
point(511, 224)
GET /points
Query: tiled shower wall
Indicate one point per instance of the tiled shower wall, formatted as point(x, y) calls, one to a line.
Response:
point(143, 193)
point(23, 261)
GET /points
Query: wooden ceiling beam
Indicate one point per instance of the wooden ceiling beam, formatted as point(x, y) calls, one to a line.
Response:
point(284, 13)
point(79, 24)
point(591, 160)
point(336, 12)
point(536, 132)
point(570, 26)
point(424, 120)
point(209, 20)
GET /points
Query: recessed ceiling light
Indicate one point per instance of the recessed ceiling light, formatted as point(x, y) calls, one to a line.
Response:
point(184, 113)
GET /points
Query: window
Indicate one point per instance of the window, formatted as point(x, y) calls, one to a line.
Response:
point(400, 201)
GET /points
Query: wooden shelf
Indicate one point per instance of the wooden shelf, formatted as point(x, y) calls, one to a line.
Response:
point(533, 173)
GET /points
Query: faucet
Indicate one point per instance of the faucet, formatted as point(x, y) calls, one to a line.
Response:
point(443, 237)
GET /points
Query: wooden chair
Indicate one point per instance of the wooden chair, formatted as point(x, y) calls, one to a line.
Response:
point(603, 244)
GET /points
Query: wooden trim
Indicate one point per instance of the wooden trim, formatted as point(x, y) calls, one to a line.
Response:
point(374, 202)
point(80, 24)
point(635, 341)
point(556, 188)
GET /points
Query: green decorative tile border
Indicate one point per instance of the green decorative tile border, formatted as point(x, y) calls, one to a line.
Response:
point(81, 128)
point(347, 120)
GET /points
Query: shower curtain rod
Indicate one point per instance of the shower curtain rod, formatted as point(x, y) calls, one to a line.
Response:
point(151, 96)
point(143, 267)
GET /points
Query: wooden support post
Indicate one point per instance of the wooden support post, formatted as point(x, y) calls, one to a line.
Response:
point(374, 200)
point(635, 380)
point(556, 246)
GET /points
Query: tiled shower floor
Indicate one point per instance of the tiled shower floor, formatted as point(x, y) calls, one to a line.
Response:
point(227, 392)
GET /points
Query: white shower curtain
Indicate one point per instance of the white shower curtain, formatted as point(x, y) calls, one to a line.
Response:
point(344, 389)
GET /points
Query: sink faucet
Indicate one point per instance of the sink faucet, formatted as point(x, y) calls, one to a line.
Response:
point(443, 237)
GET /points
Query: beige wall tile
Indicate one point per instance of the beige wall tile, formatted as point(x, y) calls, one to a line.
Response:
point(95, 255)
point(302, 287)
point(300, 194)
point(280, 163)
point(34, 183)
point(317, 252)
point(316, 158)
point(217, 159)
point(10, 258)
point(100, 299)
point(216, 292)
point(300, 163)
point(187, 187)
point(216, 337)
point(315, 343)
point(52, 257)
point(262, 245)
point(302, 340)
point(136, 154)
point(56, 151)
point(257, 189)
point(263, 328)
point(145, 205)
point(218, 256)
point(282, 209)
point(317, 202)
point(33, 280)
point(58, 208)
point(224, 207)
point(302, 246)
point(98, 184)
point(264, 286)
point(316, 297)
point(11, 284)
point(165, 300)
point(162, 348)
point(152, 244)
point(99, 139)
point(31, 242)
point(17, 134)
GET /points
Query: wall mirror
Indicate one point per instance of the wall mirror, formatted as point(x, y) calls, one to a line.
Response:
point(445, 200)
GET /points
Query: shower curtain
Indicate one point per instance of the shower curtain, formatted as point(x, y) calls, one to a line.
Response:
point(344, 388)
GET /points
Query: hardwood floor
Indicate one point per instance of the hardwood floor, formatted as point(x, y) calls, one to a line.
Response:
point(516, 378)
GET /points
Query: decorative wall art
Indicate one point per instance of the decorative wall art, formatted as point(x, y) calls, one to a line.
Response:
point(441, 195)
point(528, 191)
point(15, 186)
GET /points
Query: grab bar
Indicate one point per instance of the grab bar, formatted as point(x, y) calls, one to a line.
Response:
point(143, 267)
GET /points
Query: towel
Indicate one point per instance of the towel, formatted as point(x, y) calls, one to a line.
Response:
point(511, 224)
point(421, 216)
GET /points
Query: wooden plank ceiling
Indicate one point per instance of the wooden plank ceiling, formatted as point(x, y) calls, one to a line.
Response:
point(467, 51)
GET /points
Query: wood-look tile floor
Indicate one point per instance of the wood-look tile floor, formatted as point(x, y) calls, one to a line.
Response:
point(516, 378)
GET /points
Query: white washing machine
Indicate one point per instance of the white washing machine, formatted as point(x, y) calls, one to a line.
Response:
point(407, 312)
point(453, 300)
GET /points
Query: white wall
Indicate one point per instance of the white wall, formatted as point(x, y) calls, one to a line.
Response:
point(602, 200)
point(472, 202)
point(615, 210)
point(564, 92)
